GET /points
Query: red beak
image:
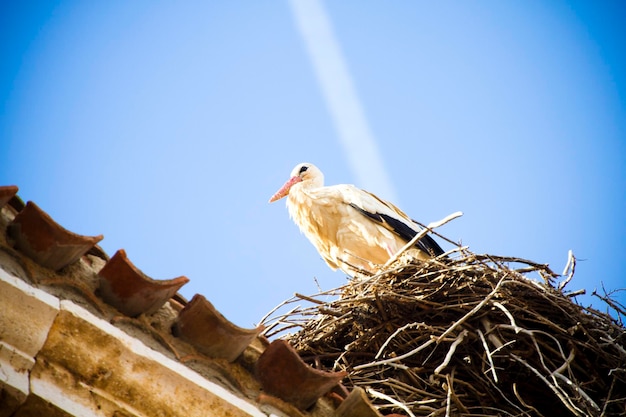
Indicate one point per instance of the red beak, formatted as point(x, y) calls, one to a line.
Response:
point(284, 190)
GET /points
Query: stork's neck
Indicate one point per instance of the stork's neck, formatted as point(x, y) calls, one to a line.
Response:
point(310, 183)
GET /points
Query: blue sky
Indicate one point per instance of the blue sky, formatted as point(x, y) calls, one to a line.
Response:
point(166, 126)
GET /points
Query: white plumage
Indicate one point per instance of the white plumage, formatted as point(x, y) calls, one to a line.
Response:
point(352, 229)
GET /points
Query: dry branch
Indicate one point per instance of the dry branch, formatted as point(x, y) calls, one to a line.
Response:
point(472, 336)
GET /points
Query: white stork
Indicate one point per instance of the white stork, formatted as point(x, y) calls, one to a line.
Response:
point(352, 229)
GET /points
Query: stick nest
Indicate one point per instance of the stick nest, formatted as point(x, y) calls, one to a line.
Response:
point(465, 336)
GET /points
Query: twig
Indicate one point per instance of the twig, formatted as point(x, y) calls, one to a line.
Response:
point(566, 402)
point(608, 397)
point(317, 284)
point(272, 311)
point(608, 339)
point(397, 358)
point(566, 364)
point(436, 233)
point(382, 396)
point(474, 310)
point(379, 305)
point(579, 390)
point(509, 315)
point(394, 334)
point(309, 299)
point(569, 269)
point(451, 351)
point(489, 358)
point(576, 293)
point(612, 303)
point(448, 397)
point(521, 400)
point(420, 235)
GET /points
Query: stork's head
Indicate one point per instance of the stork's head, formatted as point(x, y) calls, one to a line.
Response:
point(304, 174)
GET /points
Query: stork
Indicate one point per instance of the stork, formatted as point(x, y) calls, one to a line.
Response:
point(352, 229)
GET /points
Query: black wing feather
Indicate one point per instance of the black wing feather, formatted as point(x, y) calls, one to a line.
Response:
point(426, 244)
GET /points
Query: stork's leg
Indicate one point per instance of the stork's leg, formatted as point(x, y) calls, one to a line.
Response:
point(390, 251)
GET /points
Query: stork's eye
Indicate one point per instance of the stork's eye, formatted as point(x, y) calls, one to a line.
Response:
point(302, 169)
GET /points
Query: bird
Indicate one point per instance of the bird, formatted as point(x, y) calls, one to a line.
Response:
point(352, 229)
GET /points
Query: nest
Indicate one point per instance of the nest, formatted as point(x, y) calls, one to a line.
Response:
point(471, 335)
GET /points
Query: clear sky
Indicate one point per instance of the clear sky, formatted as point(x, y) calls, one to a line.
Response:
point(166, 126)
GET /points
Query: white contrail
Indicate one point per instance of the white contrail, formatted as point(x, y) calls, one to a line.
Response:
point(332, 73)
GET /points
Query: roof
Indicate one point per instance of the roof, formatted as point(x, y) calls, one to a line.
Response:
point(83, 333)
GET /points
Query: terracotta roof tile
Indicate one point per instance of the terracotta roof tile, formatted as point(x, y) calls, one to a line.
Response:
point(38, 236)
point(6, 193)
point(284, 374)
point(132, 292)
point(357, 405)
point(275, 368)
point(200, 324)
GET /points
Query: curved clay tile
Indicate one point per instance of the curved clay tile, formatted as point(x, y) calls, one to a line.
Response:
point(200, 324)
point(284, 374)
point(357, 405)
point(45, 241)
point(6, 193)
point(132, 292)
